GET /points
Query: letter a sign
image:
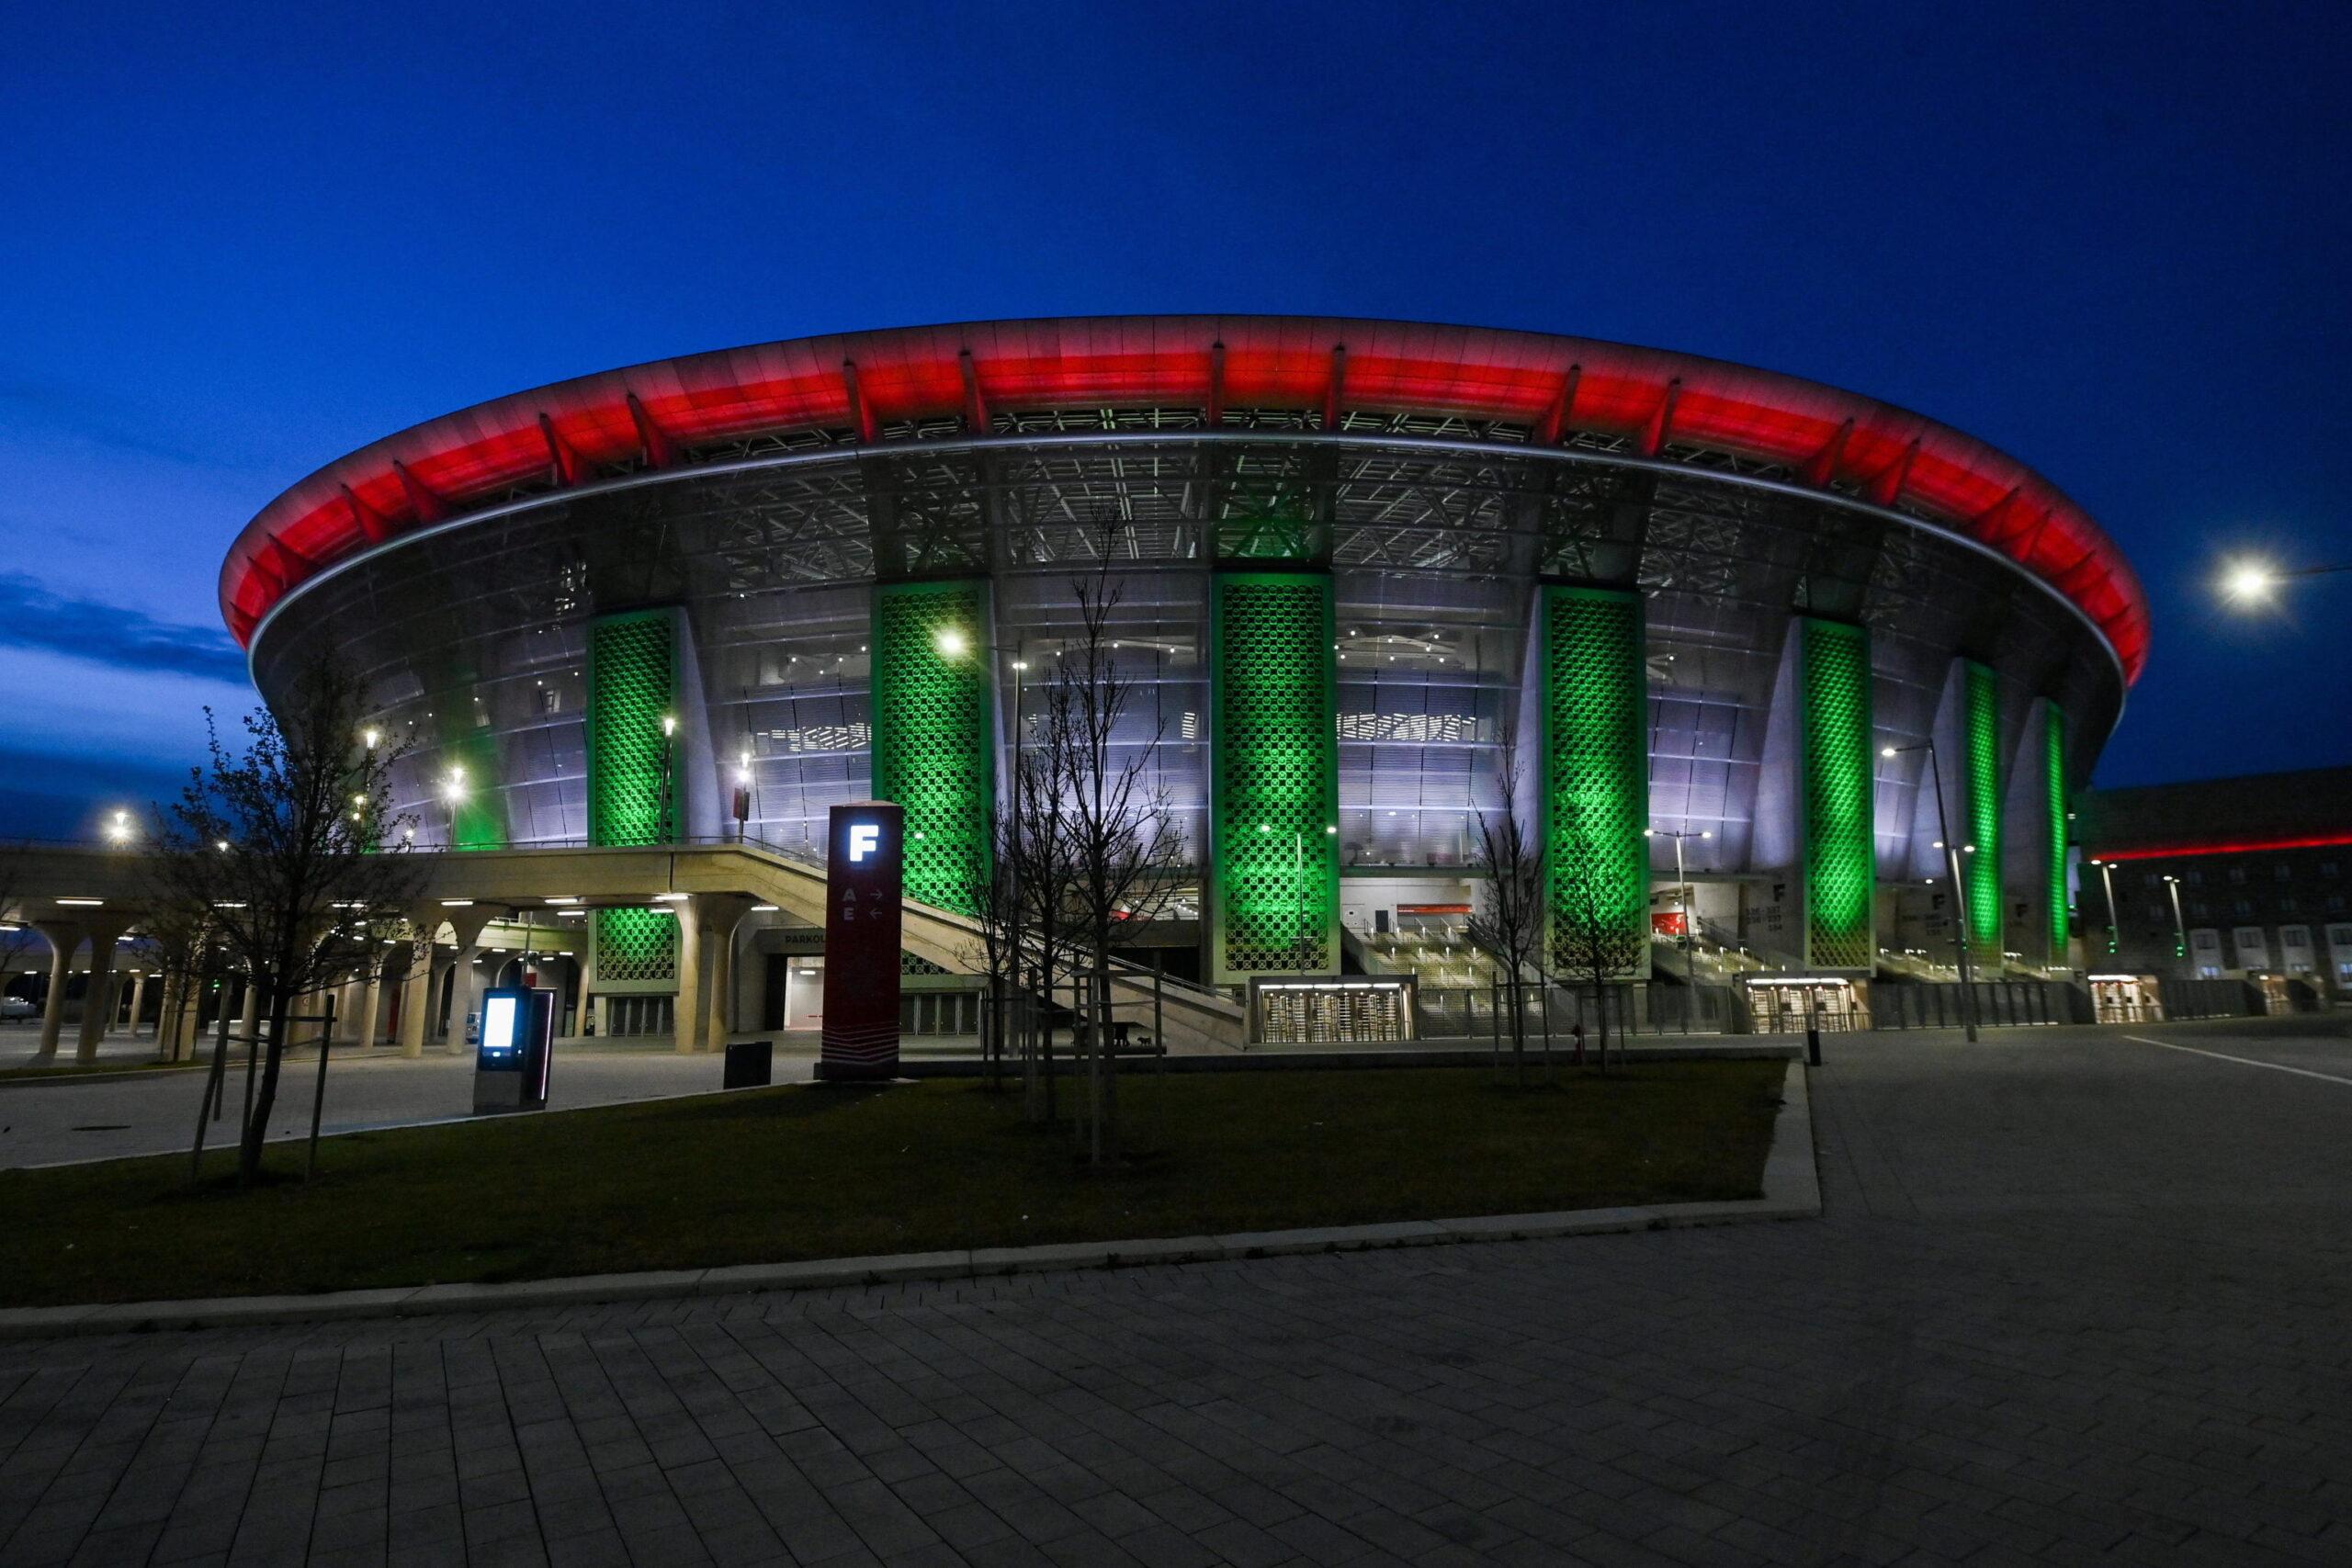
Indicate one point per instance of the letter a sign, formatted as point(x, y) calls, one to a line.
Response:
point(864, 874)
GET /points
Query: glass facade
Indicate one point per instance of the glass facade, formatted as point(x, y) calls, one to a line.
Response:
point(486, 646)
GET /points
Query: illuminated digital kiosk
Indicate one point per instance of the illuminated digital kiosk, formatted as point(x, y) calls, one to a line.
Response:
point(517, 1040)
point(864, 882)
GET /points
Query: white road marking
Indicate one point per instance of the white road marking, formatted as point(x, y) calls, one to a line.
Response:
point(2242, 1061)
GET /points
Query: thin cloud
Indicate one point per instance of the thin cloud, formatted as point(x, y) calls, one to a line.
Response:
point(35, 617)
point(93, 418)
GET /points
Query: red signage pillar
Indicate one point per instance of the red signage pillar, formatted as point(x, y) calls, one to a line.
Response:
point(864, 875)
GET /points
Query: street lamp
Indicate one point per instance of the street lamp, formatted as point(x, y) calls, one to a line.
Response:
point(2179, 926)
point(1959, 884)
point(1681, 887)
point(2107, 881)
point(2251, 581)
point(453, 791)
point(742, 793)
point(119, 829)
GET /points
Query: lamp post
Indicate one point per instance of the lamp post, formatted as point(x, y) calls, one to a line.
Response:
point(1298, 889)
point(954, 642)
point(1959, 885)
point(667, 829)
point(118, 830)
point(2107, 881)
point(1681, 887)
point(2179, 926)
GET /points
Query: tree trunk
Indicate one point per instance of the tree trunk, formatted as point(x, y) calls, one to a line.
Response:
point(1106, 1087)
point(257, 1129)
point(1543, 1001)
point(1600, 1006)
point(996, 1029)
point(1518, 1025)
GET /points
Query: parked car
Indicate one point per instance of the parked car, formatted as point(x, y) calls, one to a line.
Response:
point(14, 1009)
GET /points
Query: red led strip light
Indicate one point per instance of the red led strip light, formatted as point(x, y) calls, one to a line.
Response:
point(2246, 847)
point(1557, 385)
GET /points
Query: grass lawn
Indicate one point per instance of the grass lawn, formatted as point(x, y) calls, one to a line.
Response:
point(798, 1172)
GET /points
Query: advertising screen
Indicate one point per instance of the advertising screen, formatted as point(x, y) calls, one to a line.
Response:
point(498, 1024)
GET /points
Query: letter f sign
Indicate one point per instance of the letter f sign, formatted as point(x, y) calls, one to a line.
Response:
point(865, 838)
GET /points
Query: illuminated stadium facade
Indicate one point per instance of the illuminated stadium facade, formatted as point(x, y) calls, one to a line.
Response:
point(1354, 558)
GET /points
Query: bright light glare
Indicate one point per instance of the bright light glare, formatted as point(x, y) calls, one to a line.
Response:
point(2248, 581)
point(951, 643)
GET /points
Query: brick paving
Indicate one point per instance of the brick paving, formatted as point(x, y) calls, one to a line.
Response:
point(2075, 1302)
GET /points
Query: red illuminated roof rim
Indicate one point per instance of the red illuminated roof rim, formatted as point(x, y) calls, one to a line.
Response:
point(563, 434)
point(2229, 847)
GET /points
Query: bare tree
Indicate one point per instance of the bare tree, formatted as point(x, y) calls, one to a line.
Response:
point(1508, 922)
point(1599, 935)
point(289, 854)
point(1124, 854)
point(187, 956)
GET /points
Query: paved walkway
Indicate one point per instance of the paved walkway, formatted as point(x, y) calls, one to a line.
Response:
point(2078, 1300)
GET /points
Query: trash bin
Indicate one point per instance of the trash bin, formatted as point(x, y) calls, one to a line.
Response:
point(750, 1065)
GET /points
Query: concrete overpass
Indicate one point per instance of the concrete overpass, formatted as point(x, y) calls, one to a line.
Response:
point(73, 895)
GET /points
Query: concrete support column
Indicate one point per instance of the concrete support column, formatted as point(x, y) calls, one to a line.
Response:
point(416, 992)
point(97, 1002)
point(166, 1019)
point(718, 914)
point(64, 938)
point(687, 1012)
point(139, 1001)
point(722, 988)
point(372, 1000)
point(248, 1020)
point(465, 996)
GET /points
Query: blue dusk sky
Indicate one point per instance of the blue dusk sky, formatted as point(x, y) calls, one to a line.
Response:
point(236, 243)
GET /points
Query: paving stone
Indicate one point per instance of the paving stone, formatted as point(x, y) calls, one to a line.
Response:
point(2070, 1301)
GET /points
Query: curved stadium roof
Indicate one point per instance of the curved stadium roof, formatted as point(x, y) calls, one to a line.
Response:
point(562, 436)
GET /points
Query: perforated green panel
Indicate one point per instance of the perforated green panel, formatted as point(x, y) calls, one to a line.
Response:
point(1596, 761)
point(1273, 774)
point(1840, 865)
point(632, 686)
point(1982, 738)
point(636, 945)
point(933, 731)
point(2054, 761)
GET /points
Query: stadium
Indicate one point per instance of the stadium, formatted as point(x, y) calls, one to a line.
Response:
point(1723, 618)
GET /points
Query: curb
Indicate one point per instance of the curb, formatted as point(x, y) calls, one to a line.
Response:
point(1260, 1059)
point(1792, 1191)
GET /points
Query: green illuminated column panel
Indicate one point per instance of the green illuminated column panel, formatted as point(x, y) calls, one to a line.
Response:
point(632, 687)
point(1981, 773)
point(1595, 780)
point(1274, 775)
point(934, 752)
point(1837, 779)
point(2055, 761)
